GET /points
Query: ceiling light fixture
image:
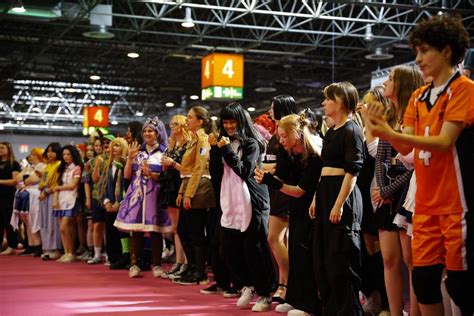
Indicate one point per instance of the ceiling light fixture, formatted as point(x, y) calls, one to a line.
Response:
point(18, 7)
point(214, 118)
point(114, 122)
point(138, 113)
point(368, 36)
point(251, 109)
point(194, 97)
point(265, 89)
point(169, 104)
point(133, 55)
point(100, 33)
point(379, 54)
point(188, 20)
point(94, 77)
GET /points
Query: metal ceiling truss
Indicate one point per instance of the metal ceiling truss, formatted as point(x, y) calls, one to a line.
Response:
point(298, 46)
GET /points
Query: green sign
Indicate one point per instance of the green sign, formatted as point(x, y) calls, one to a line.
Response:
point(222, 93)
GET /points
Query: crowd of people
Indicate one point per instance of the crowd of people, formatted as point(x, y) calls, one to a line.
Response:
point(316, 212)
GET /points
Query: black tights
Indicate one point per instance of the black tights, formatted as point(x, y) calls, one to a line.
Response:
point(138, 243)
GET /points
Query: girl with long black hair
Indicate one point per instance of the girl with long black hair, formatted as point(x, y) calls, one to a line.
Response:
point(65, 205)
point(245, 207)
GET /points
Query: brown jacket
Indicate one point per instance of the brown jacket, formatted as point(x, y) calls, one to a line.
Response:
point(195, 163)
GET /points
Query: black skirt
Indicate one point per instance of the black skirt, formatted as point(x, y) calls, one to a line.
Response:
point(170, 181)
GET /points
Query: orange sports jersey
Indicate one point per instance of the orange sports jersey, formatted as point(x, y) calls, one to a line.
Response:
point(444, 179)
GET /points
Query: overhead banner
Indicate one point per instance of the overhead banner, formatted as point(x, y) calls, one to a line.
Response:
point(222, 76)
point(96, 116)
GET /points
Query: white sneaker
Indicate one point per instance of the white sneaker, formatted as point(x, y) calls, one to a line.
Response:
point(94, 260)
point(158, 272)
point(248, 292)
point(283, 308)
point(134, 271)
point(298, 312)
point(263, 304)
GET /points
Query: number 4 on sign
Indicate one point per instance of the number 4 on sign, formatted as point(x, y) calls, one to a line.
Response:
point(425, 155)
point(228, 68)
point(98, 117)
point(207, 70)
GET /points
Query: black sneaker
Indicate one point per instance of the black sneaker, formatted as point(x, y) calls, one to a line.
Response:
point(232, 292)
point(178, 274)
point(175, 268)
point(28, 251)
point(121, 264)
point(213, 289)
point(191, 279)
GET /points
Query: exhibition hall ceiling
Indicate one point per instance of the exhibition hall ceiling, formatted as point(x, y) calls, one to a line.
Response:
point(49, 53)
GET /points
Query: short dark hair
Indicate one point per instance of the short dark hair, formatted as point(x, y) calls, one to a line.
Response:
point(442, 31)
point(343, 91)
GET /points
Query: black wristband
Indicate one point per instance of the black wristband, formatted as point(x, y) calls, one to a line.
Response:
point(271, 181)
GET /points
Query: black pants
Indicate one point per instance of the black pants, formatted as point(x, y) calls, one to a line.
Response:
point(337, 250)
point(302, 292)
point(113, 244)
point(192, 232)
point(6, 211)
point(248, 257)
point(222, 274)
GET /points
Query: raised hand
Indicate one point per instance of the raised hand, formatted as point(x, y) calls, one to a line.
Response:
point(212, 139)
point(224, 141)
point(133, 149)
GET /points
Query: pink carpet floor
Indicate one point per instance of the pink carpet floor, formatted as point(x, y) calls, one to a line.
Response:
point(29, 286)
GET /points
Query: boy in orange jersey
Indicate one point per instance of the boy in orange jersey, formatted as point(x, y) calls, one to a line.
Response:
point(438, 125)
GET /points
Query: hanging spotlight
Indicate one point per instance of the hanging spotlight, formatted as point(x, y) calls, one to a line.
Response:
point(188, 20)
point(369, 36)
point(133, 55)
point(169, 104)
point(194, 97)
point(94, 77)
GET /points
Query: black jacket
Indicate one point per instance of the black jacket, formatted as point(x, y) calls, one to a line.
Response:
point(244, 167)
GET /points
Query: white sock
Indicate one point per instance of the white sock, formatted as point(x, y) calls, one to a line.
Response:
point(97, 252)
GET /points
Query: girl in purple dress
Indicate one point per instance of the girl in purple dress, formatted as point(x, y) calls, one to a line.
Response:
point(139, 212)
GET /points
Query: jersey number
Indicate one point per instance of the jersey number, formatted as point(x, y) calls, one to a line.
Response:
point(423, 154)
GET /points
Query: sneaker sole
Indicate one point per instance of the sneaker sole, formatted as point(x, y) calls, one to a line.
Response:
point(203, 282)
point(231, 295)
